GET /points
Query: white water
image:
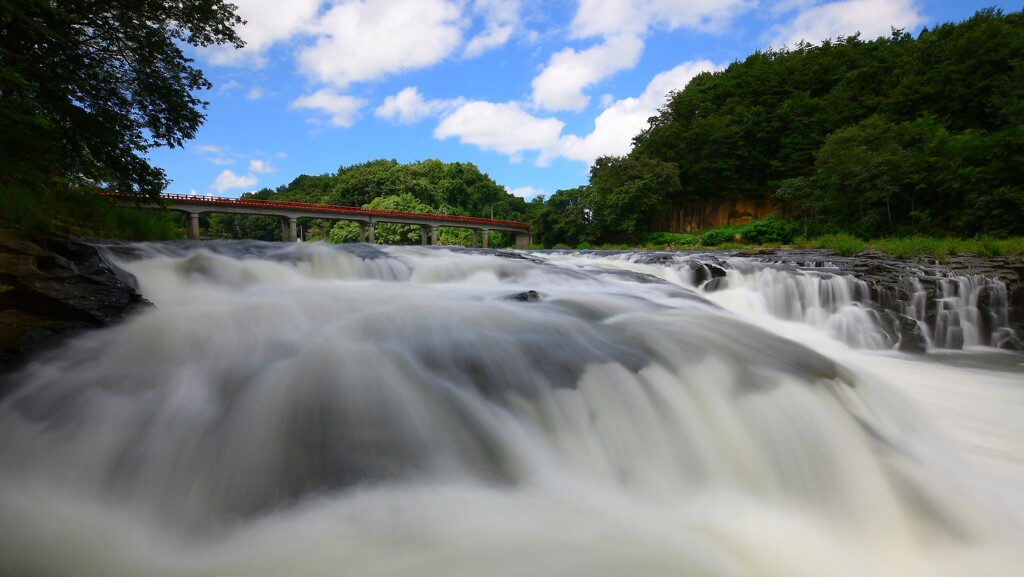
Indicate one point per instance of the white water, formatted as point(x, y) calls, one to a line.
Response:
point(314, 410)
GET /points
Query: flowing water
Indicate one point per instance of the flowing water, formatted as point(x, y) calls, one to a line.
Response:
point(309, 410)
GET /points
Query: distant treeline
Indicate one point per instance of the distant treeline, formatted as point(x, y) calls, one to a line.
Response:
point(893, 136)
point(428, 186)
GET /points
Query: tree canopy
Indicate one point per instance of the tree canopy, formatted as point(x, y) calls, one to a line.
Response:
point(88, 86)
point(895, 135)
point(427, 186)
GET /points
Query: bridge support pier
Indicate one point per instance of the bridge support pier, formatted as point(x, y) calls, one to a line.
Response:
point(423, 235)
point(522, 240)
point(362, 232)
point(288, 229)
point(472, 243)
point(370, 238)
point(483, 237)
point(433, 236)
point(192, 226)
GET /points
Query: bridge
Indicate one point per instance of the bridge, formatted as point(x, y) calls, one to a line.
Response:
point(290, 212)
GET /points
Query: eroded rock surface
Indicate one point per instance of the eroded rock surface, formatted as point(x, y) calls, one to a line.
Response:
point(53, 288)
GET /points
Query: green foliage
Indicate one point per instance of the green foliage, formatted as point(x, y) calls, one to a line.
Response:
point(892, 136)
point(86, 88)
point(671, 239)
point(428, 186)
point(720, 235)
point(771, 230)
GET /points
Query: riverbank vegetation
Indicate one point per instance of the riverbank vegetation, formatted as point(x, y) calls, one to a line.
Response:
point(892, 137)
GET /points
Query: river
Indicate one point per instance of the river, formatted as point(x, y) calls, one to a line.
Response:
point(314, 410)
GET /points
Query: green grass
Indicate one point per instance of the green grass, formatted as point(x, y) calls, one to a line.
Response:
point(842, 244)
point(940, 248)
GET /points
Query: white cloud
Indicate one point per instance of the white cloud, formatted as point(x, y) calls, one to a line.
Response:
point(560, 86)
point(260, 166)
point(510, 130)
point(616, 126)
point(254, 93)
point(229, 86)
point(218, 155)
point(504, 128)
point(612, 17)
point(208, 149)
point(229, 179)
point(267, 22)
point(409, 106)
point(341, 108)
point(622, 26)
point(363, 40)
point(524, 191)
point(872, 18)
point(501, 18)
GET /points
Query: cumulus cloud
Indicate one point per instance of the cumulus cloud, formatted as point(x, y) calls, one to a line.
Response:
point(409, 106)
point(260, 166)
point(560, 85)
point(501, 127)
point(872, 18)
point(611, 17)
point(341, 108)
point(621, 25)
point(267, 22)
point(228, 179)
point(254, 93)
point(510, 130)
point(501, 17)
point(365, 40)
point(622, 120)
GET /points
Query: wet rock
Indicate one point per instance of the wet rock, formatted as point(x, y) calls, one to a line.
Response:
point(53, 288)
point(911, 337)
point(525, 296)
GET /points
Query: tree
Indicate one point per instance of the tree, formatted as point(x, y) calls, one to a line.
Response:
point(625, 192)
point(88, 86)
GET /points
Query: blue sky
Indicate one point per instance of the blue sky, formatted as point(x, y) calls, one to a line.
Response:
point(531, 91)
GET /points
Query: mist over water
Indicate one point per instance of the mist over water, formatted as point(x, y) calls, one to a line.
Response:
point(394, 411)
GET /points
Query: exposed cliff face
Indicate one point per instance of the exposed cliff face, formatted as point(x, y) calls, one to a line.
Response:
point(702, 215)
point(52, 288)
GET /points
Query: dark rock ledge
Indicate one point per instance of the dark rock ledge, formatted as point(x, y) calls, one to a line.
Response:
point(51, 289)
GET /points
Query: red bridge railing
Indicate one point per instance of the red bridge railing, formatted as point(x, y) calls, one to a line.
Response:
point(256, 202)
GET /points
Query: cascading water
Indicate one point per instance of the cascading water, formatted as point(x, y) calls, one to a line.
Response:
point(319, 410)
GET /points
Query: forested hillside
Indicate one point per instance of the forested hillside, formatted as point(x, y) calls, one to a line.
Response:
point(428, 186)
point(897, 135)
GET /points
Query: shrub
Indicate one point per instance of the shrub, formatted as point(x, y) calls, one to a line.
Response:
point(717, 236)
point(671, 239)
point(770, 230)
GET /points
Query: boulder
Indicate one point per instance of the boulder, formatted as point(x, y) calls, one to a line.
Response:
point(53, 288)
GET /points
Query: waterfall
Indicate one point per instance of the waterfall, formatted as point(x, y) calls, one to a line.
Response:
point(310, 409)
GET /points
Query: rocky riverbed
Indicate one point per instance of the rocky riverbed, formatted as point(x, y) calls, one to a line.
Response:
point(53, 288)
